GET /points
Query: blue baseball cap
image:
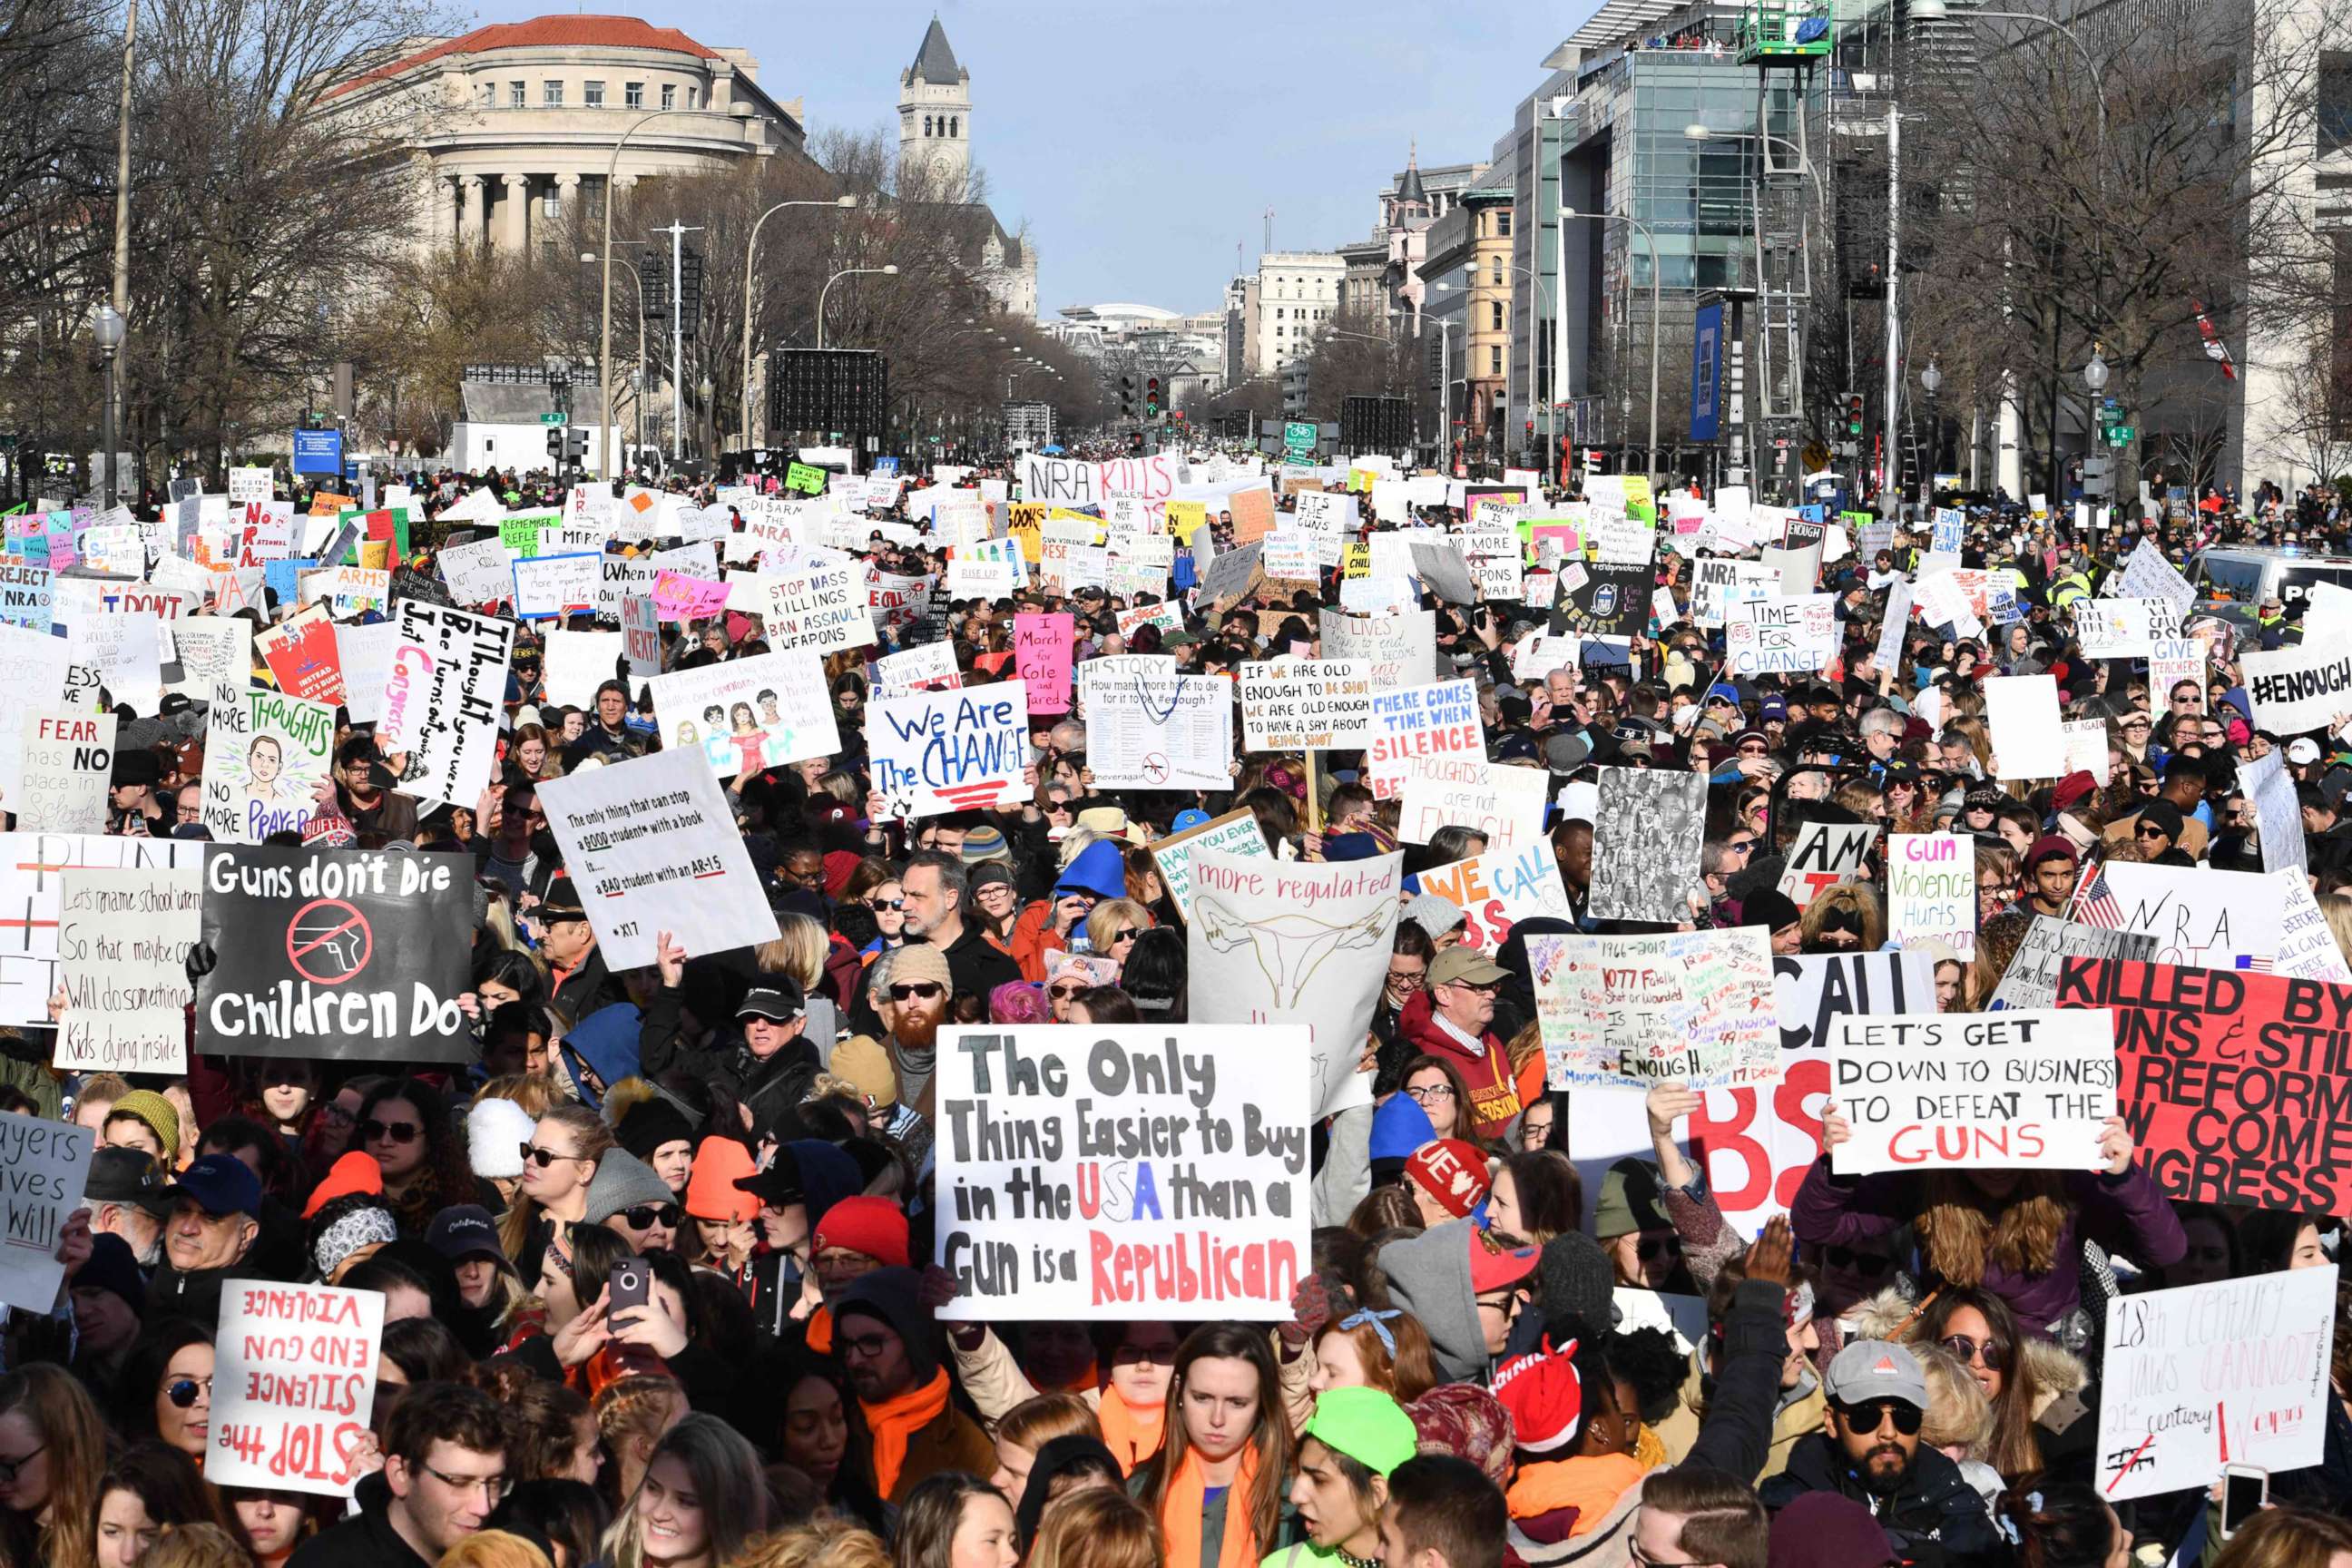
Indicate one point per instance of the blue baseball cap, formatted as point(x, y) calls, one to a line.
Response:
point(220, 1184)
point(1189, 819)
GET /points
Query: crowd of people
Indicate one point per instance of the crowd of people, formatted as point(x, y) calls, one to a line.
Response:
point(1476, 1372)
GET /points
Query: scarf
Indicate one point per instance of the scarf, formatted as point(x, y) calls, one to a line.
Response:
point(1182, 1511)
point(1590, 1485)
point(1132, 1433)
point(895, 1422)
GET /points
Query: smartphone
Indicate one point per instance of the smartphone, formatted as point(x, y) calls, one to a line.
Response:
point(630, 1284)
point(2245, 1490)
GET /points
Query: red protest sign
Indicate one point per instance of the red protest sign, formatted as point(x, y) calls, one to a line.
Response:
point(303, 656)
point(2237, 1086)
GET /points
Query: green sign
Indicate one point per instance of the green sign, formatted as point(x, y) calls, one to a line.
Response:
point(554, 419)
point(807, 481)
point(2122, 434)
point(1298, 437)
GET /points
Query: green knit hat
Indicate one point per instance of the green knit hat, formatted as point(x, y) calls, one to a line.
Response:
point(159, 1115)
point(1368, 1425)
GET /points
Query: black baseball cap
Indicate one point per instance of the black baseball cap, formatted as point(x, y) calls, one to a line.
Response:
point(779, 1001)
point(126, 1176)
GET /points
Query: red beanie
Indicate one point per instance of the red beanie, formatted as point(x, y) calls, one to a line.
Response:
point(1452, 1172)
point(356, 1172)
point(1544, 1395)
point(710, 1191)
point(875, 1226)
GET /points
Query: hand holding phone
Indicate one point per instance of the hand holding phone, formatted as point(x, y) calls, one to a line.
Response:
point(2245, 1493)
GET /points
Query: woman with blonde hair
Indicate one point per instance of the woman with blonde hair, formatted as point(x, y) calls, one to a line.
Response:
point(1959, 1418)
point(2284, 1537)
point(566, 1145)
point(203, 1545)
point(493, 1549)
point(799, 950)
point(701, 1497)
point(1847, 918)
point(632, 1414)
point(1113, 925)
point(826, 1541)
point(1029, 1426)
point(52, 1454)
point(1098, 1528)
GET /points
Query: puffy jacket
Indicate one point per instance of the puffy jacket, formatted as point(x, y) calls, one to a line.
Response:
point(1936, 1519)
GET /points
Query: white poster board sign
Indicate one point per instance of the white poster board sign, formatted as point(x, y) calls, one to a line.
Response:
point(2029, 1089)
point(293, 1385)
point(47, 1163)
point(124, 937)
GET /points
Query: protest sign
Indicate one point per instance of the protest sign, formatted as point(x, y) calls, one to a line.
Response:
point(2231, 1080)
point(1604, 599)
point(1271, 942)
point(926, 666)
point(678, 596)
point(1438, 719)
point(302, 656)
point(578, 663)
point(2031, 979)
point(1499, 889)
point(1306, 704)
point(2025, 1090)
point(547, 586)
point(1825, 854)
point(341, 955)
point(1931, 890)
point(32, 867)
point(32, 680)
point(1503, 801)
point(248, 484)
point(940, 752)
point(1110, 1174)
point(1043, 646)
point(24, 596)
point(1235, 833)
point(641, 636)
point(2202, 1376)
point(2300, 688)
point(619, 578)
point(2216, 920)
point(2149, 575)
point(1149, 727)
point(1764, 636)
point(1400, 649)
point(124, 937)
point(67, 759)
point(2270, 789)
point(2022, 712)
point(365, 651)
point(820, 609)
point(443, 698)
point(2307, 947)
point(1719, 585)
point(2175, 666)
point(1693, 1005)
point(294, 1386)
point(2123, 628)
point(48, 1165)
point(265, 755)
point(748, 714)
point(478, 572)
point(120, 652)
point(651, 843)
point(1646, 833)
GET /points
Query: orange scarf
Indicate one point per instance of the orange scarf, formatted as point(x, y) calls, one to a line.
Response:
point(1590, 1485)
point(1131, 1433)
point(819, 1338)
point(1181, 1514)
point(895, 1422)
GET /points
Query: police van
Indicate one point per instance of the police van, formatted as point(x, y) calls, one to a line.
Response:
point(2248, 575)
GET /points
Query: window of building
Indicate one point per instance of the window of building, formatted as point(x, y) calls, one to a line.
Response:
point(1494, 315)
point(669, 96)
point(2335, 100)
point(927, 125)
point(632, 95)
point(592, 93)
point(1503, 222)
point(955, 126)
point(1497, 277)
point(490, 95)
point(1494, 359)
point(517, 93)
point(693, 97)
point(1277, 331)
point(550, 94)
point(550, 204)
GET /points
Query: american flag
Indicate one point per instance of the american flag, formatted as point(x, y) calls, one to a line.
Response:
point(2094, 901)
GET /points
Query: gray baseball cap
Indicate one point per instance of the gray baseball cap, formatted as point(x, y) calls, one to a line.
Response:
point(1873, 1369)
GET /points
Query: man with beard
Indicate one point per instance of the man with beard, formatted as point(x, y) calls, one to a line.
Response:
point(934, 889)
point(125, 1191)
point(888, 1344)
point(1871, 1454)
point(909, 989)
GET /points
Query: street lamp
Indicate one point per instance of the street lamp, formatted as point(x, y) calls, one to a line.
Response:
point(2094, 374)
point(1652, 240)
point(1938, 11)
point(750, 246)
point(637, 371)
point(1695, 131)
point(1932, 379)
point(739, 110)
point(106, 325)
point(889, 271)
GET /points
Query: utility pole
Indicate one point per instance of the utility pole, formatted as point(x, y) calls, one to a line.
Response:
point(677, 233)
point(1890, 499)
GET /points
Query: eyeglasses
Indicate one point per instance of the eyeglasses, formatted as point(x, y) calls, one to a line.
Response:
point(647, 1216)
point(183, 1391)
point(1988, 1351)
point(869, 1346)
point(8, 1468)
point(1871, 1414)
point(1408, 979)
point(1433, 1094)
point(1860, 1262)
point(492, 1486)
point(925, 989)
point(396, 1132)
point(546, 1157)
point(886, 903)
point(1650, 1248)
point(1065, 992)
point(1633, 1550)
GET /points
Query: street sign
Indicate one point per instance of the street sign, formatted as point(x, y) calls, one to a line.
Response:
point(318, 451)
point(2122, 434)
point(1298, 440)
point(554, 419)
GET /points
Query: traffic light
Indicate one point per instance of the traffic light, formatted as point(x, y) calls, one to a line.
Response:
point(1151, 397)
point(1853, 404)
point(575, 446)
point(555, 442)
point(1127, 397)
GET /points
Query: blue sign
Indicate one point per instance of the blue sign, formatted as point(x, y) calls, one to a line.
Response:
point(886, 468)
point(1706, 371)
point(318, 451)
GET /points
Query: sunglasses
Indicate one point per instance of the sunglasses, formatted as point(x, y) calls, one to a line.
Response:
point(1989, 1350)
point(183, 1391)
point(1871, 1414)
point(925, 989)
point(1860, 1262)
point(2149, 830)
point(886, 903)
point(545, 1157)
point(1650, 1248)
point(645, 1215)
point(396, 1131)
point(1065, 992)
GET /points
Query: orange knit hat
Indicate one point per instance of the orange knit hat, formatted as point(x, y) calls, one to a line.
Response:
point(710, 1192)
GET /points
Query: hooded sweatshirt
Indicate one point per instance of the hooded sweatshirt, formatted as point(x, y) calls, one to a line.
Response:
point(917, 1432)
point(1429, 1276)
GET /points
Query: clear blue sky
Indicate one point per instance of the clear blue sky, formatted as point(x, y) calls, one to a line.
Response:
point(1141, 143)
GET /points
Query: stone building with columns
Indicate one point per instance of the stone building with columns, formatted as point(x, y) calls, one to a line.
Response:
point(508, 131)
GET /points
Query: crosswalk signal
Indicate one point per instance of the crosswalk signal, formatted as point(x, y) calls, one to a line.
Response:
point(1151, 397)
point(555, 442)
point(1854, 414)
